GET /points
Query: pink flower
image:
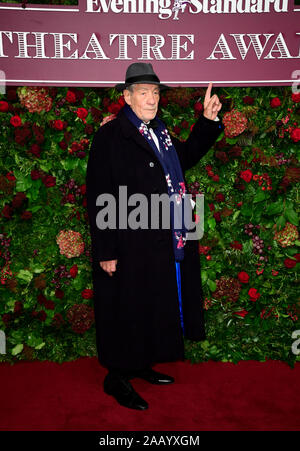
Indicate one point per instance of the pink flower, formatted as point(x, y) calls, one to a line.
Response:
point(70, 243)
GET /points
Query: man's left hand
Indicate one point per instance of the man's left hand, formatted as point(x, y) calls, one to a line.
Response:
point(212, 105)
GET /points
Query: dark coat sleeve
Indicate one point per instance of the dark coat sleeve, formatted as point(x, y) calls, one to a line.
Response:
point(99, 181)
point(202, 137)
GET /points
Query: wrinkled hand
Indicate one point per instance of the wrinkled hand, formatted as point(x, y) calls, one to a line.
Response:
point(212, 105)
point(109, 266)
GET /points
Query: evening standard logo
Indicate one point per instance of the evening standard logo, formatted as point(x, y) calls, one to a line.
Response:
point(166, 9)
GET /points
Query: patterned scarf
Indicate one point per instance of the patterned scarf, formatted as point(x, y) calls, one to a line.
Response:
point(170, 163)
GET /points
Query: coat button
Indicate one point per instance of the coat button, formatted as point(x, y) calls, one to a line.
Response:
point(151, 164)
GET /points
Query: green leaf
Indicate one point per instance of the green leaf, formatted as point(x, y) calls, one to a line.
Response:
point(17, 349)
point(280, 223)
point(291, 216)
point(274, 208)
point(259, 196)
point(24, 275)
point(212, 223)
point(212, 285)
point(69, 164)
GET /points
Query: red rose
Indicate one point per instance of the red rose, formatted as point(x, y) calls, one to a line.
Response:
point(3, 106)
point(211, 207)
point(70, 97)
point(220, 197)
point(248, 100)
point(63, 145)
point(243, 277)
point(114, 108)
point(7, 211)
point(74, 271)
point(295, 134)
point(87, 293)
point(58, 124)
point(198, 107)
point(18, 307)
point(121, 101)
point(49, 180)
point(296, 97)
point(83, 189)
point(35, 174)
point(242, 313)
point(41, 299)
point(35, 150)
point(10, 176)
point(26, 215)
point(254, 294)
point(49, 305)
point(246, 175)
point(71, 198)
point(176, 130)
point(289, 263)
point(16, 121)
point(236, 245)
point(164, 101)
point(82, 113)
point(275, 102)
point(217, 216)
point(297, 256)
point(215, 178)
point(42, 315)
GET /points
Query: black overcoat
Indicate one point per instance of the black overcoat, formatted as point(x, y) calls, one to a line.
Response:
point(137, 309)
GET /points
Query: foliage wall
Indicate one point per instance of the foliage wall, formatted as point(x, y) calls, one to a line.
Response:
point(249, 253)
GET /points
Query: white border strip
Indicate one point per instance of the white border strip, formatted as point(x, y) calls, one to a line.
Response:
point(39, 9)
point(169, 82)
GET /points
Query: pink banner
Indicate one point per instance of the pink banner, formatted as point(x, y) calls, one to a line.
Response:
point(189, 42)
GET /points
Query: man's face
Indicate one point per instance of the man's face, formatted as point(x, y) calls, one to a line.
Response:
point(143, 100)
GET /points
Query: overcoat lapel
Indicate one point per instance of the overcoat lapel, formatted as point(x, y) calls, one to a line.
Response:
point(130, 131)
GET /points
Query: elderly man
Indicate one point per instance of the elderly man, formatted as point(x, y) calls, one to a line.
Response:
point(147, 287)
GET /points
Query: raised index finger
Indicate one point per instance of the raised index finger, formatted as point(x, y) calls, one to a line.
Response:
point(208, 92)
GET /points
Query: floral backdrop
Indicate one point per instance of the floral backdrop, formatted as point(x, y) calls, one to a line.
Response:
point(249, 253)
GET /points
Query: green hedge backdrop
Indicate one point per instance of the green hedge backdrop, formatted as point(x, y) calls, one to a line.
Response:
point(249, 252)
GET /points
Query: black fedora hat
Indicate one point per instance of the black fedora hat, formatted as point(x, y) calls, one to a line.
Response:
point(140, 73)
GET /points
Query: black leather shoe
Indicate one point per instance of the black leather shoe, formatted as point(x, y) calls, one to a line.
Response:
point(154, 377)
point(121, 389)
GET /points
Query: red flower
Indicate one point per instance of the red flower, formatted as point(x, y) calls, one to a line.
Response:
point(242, 313)
point(296, 97)
point(3, 106)
point(275, 102)
point(49, 305)
point(87, 294)
point(220, 197)
point(114, 108)
point(16, 121)
point(26, 215)
point(215, 178)
point(121, 101)
point(248, 100)
point(74, 271)
point(82, 113)
point(83, 189)
point(254, 294)
point(49, 180)
point(58, 124)
point(70, 97)
point(236, 245)
point(42, 315)
point(243, 277)
point(198, 107)
point(246, 175)
point(217, 216)
point(10, 176)
point(164, 101)
point(295, 134)
point(59, 294)
point(35, 150)
point(289, 263)
point(35, 174)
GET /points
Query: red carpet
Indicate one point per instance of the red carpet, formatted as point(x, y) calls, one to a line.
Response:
point(206, 396)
